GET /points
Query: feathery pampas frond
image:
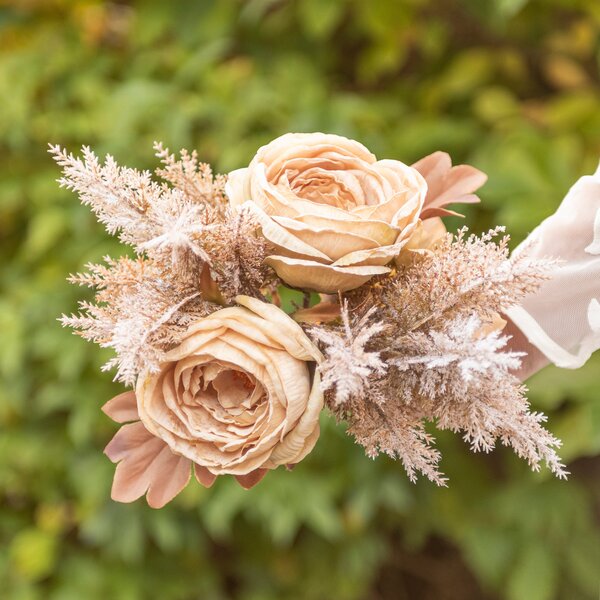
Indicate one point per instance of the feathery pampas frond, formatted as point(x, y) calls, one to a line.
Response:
point(349, 366)
point(438, 358)
point(186, 240)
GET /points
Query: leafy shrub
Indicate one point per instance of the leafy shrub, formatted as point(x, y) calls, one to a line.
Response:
point(510, 86)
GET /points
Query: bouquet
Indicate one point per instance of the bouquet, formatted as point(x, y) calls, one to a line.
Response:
point(397, 323)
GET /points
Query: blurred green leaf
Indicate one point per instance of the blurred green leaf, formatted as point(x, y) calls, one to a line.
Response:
point(535, 574)
point(320, 17)
point(509, 86)
point(33, 553)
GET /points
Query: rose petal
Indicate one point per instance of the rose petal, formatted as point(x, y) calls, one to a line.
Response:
point(204, 476)
point(132, 439)
point(432, 213)
point(281, 238)
point(458, 182)
point(307, 448)
point(291, 145)
point(378, 256)
point(122, 408)
point(333, 243)
point(237, 187)
point(434, 165)
point(286, 373)
point(282, 201)
point(247, 324)
point(328, 279)
point(251, 479)
point(290, 335)
point(295, 447)
point(427, 234)
point(379, 231)
point(146, 463)
point(170, 474)
point(447, 184)
point(414, 190)
point(197, 336)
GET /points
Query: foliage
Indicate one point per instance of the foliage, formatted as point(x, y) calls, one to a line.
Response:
point(509, 86)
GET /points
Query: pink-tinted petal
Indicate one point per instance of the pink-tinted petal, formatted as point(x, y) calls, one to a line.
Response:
point(130, 439)
point(447, 184)
point(170, 474)
point(135, 448)
point(146, 463)
point(251, 479)
point(458, 183)
point(122, 408)
point(430, 213)
point(204, 476)
point(433, 165)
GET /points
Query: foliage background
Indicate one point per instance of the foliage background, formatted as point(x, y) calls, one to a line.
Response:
point(511, 86)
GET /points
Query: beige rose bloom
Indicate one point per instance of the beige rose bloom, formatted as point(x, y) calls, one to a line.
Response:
point(237, 396)
point(335, 214)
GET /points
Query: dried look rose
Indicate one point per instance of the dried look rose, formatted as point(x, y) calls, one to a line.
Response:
point(237, 396)
point(335, 214)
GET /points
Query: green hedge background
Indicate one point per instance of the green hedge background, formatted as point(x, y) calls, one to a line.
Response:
point(511, 86)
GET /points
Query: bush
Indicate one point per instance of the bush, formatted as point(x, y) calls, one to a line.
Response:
point(509, 86)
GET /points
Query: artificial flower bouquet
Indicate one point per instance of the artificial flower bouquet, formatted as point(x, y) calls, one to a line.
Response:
point(397, 323)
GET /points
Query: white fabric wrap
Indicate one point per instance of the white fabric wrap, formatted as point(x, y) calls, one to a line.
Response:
point(562, 319)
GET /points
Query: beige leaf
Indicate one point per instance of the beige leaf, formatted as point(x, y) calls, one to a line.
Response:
point(324, 312)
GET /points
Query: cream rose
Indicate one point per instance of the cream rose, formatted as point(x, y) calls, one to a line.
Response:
point(237, 396)
point(335, 214)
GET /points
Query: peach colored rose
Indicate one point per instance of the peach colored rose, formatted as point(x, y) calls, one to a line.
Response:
point(237, 396)
point(335, 214)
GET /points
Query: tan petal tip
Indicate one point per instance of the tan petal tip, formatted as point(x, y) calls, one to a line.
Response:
point(324, 312)
point(251, 479)
point(204, 476)
point(122, 408)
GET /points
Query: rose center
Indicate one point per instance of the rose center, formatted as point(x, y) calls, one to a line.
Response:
point(223, 400)
point(323, 185)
